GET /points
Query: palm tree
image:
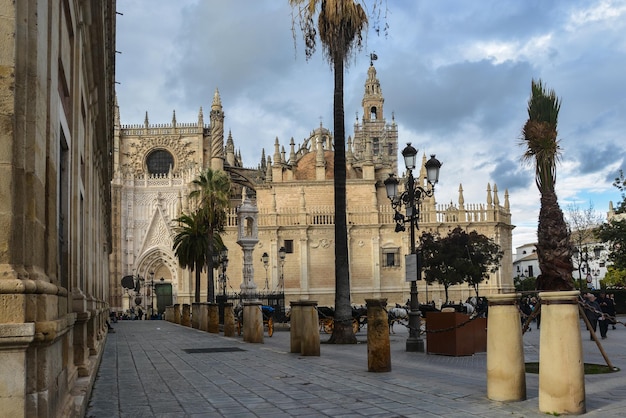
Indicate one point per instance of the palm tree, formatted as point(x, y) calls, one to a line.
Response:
point(554, 251)
point(340, 24)
point(213, 193)
point(191, 244)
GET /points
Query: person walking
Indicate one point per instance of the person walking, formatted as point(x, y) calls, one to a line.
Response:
point(593, 312)
point(606, 305)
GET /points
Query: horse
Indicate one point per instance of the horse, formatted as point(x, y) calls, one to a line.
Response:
point(397, 314)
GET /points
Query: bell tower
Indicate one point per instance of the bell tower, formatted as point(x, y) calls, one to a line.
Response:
point(375, 140)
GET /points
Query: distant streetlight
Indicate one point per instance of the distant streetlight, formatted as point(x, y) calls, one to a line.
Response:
point(265, 258)
point(411, 199)
point(282, 253)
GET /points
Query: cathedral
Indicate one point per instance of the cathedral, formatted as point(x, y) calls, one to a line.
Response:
point(153, 169)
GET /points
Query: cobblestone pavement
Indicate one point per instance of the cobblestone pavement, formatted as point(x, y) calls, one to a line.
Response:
point(159, 369)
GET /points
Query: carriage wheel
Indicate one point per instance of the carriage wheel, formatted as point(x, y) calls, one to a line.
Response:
point(355, 325)
point(270, 327)
point(329, 325)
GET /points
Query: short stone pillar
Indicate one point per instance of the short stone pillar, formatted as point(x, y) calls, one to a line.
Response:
point(169, 313)
point(195, 315)
point(252, 322)
point(186, 316)
point(309, 329)
point(295, 327)
point(203, 320)
point(177, 313)
point(229, 320)
point(378, 348)
point(561, 366)
point(506, 372)
point(214, 318)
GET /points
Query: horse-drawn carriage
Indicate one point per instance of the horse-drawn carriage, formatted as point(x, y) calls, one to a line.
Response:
point(326, 315)
point(268, 319)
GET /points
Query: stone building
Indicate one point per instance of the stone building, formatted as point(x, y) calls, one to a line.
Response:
point(154, 165)
point(57, 66)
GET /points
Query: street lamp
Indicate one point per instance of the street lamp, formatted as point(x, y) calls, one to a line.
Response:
point(220, 260)
point(265, 258)
point(411, 199)
point(151, 310)
point(281, 256)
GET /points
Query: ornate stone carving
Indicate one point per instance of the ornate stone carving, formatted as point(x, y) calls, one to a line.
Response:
point(138, 150)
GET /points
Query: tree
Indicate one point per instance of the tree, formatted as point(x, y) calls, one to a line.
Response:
point(554, 251)
point(614, 278)
point(614, 231)
point(191, 244)
point(340, 24)
point(582, 225)
point(459, 258)
point(213, 194)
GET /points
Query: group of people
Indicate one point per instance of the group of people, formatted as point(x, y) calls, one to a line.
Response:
point(600, 311)
point(527, 307)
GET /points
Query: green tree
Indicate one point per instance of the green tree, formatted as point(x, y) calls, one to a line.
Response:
point(614, 278)
point(213, 196)
point(458, 258)
point(191, 244)
point(614, 231)
point(554, 251)
point(340, 24)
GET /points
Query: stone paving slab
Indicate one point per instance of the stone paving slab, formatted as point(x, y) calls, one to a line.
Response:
point(160, 369)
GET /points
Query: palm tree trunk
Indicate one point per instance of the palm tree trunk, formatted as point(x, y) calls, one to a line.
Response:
point(210, 278)
point(553, 246)
point(197, 269)
point(342, 331)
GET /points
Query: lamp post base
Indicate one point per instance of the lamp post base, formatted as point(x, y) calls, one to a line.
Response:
point(414, 345)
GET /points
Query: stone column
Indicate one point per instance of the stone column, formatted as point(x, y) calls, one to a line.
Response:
point(378, 348)
point(186, 317)
point(214, 318)
point(309, 329)
point(229, 320)
point(13, 379)
point(177, 313)
point(252, 322)
point(561, 366)
point(169, 313)
point(506, 373)
point(295, 332)
point(195, 315)
point(203, 321)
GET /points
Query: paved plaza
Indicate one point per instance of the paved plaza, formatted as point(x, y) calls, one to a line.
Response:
point(160, 369)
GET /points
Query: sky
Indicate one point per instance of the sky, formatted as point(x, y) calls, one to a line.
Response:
point(456, 74)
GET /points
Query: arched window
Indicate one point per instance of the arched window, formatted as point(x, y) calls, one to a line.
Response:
point(159, 162)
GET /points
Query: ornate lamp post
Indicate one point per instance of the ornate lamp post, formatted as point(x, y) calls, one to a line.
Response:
point(265, 258)
point(281, 257)
point(220, 262)
point(411, 199)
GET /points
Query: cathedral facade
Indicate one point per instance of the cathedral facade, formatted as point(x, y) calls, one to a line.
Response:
point(154, 165)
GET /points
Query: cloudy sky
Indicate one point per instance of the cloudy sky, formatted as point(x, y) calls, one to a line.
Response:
point(456, 74)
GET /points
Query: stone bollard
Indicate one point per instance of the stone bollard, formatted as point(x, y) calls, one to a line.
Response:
point(561, 366)
point(252, 322)
point(203, 320)
point(169, 313)
point(229, 320)
point(214, 318)
point(177, 313)
point(378, 348)
point(195, 315)
point(295, 321)
point(309, 329)
point(506, 374)
point(186, 316)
